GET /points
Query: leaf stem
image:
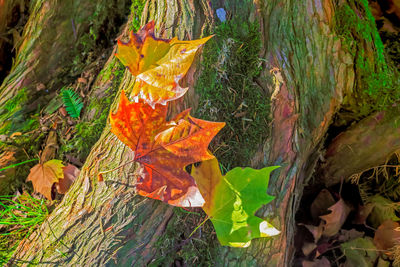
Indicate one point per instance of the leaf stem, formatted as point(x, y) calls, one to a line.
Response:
point(198, 226)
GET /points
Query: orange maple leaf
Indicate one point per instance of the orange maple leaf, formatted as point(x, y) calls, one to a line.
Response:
point(158, 64)
point(164, 149)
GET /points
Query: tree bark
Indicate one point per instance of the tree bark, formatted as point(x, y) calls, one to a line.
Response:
point(106, 223)
point(55, 48)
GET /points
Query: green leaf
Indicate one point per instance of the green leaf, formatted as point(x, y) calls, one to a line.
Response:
point(384, 209)
point(359, 252)
point(231, 201)
point(73, 103)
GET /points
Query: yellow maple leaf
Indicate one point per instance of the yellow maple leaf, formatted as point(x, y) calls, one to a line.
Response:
point(158, 64)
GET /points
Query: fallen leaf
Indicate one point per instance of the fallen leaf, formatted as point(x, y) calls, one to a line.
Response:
point(40, 87)
point(7, 158)
point(385, 263)
point(387, 235)
point(359, 252)
point(50, 149)
point(394, 7)
point(335, 219)
point(158, 64)
point(15, 134)
point(63, 111)
point(323, 262)
point(82, 80)
point(384, 209)
point(308, 248)
point(316, 231)
point(43, 176)
point(232, 200)
point(347, 235)
point(164, 149)
point(362, 213)
point(70, 174)
point(321, 204)
point(322, 248)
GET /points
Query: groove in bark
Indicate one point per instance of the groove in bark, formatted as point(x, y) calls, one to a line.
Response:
point(366, 144)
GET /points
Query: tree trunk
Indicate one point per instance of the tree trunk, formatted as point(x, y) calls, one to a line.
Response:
point(54, 49)
point(308, 74)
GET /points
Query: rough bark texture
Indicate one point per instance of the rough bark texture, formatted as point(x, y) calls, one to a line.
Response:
point(105, 223)
point(367, 144)
point(55, 47)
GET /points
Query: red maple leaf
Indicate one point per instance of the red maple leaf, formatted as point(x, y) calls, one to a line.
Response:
point(164, 149)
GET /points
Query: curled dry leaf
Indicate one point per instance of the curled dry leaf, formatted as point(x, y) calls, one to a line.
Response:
point(346, 235)
point(43, 176)
point(323, 262)
point(335, 219)
point(321, 203)
point(158, 64)
point(387, 235)
point(316, 231)
point(70, 174)
point(363, 213)
point(308, 248)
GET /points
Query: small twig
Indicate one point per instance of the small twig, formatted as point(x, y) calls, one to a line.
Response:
point(198, 226)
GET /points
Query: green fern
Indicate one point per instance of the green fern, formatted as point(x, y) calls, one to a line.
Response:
point(73, 103)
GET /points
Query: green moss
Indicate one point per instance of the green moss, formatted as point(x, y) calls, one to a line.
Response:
point(88, 132)
point(228, 92)
point(14, 117)
point(175, 244)
point(136, 11)
point(377, 84)
point(104, 24)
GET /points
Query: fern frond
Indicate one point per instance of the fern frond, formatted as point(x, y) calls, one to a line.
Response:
point(73, 103)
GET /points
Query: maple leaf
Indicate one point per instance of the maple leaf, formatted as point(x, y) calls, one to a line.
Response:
point(164, 149)
point(43, 176)
point(232, 200)
point(335, 219)
point(158, 64)
point(387, 235)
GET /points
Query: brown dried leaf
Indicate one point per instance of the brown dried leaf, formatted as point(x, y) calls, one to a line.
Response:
point(335, 219)
point(323, 262)
point(308, 248)
point(321, 203)
point(43, 176)
point(15, 134)
point(346, 235)
point(70, 174)
point(63, 111)
point(363, 213)
point(50, 149)
point(82, 80)
point(387, 235)
point(316, 231)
